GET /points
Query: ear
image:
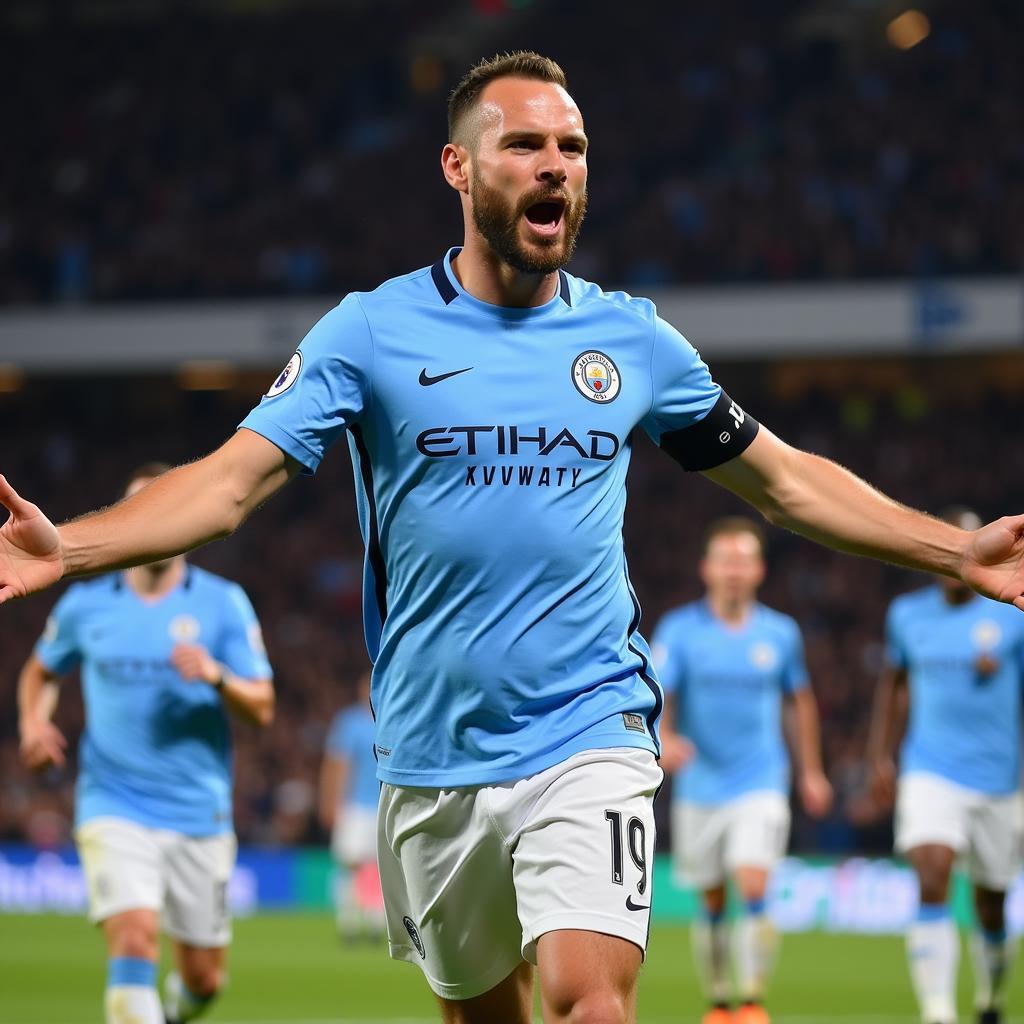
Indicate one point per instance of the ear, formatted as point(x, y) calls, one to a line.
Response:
point(455, 165)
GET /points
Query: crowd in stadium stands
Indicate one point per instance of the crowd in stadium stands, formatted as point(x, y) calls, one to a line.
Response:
point(196, 155)
point(300, 558)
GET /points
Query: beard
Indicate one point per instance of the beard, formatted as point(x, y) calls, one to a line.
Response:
point(498, 221)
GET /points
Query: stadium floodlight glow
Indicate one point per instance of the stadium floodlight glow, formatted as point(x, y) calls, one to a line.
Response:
point(206, 375)
point(908, 29)
point(11, 378)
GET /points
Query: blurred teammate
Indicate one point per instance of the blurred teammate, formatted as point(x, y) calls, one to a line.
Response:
point(348, 809)
point(165, 649)
point(727, 662)
point(956, 661)
point(489, 402)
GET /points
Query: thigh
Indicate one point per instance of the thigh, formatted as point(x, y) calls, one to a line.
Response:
point(510, 1002)
point(198, 872)
point(930, 811)
point(449, 899)
point(121, 863)
point(757, 832)
point(994, 842)
point(585, 975)
point(584, 850)
point(698, 844)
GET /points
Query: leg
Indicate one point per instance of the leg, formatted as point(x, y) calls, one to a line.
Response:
point(712, 956)
point(133, 951)
point(698, 839)
point(510, 1000)
point(587, 978)
point(120, 861)
point(198, 919)
point(757, 835)
point(932, 941)
point(199, 977)
point(992, 952)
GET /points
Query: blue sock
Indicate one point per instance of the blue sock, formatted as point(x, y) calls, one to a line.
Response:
point(130, 970)
point(755, 907)
point(932, 911)
point(714, 916)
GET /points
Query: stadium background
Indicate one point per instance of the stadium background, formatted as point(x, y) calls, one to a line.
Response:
point(825, 196)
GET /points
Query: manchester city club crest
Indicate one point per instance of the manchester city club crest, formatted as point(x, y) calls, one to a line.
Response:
point(184, 629)
point(596, 377)
point(287, 377)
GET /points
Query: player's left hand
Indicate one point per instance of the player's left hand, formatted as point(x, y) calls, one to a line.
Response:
point(993, 561)
point(815, 793)
point(193, 661)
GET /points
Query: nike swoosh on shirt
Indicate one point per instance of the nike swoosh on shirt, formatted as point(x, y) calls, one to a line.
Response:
point(427, 381)
point(630, 905)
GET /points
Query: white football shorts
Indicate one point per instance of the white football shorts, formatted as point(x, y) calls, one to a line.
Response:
point(474, 876)
point(354, 838)
point(128, 866)
point(986, 831)
point(710, 841)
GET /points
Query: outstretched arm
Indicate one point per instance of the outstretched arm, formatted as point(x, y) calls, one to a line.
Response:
point(827, 503)
point(179, 511)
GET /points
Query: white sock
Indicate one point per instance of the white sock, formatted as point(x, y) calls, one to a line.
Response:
point(933, 948)
point(180, 1004)
point(131, 996)
point(711, 956)
point(992, 954)
point(756, 946)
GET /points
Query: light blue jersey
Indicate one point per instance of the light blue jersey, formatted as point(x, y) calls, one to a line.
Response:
point(351, 738)
point(490, 448)
point(156, 748)
point(729, 683)
point(965, 721)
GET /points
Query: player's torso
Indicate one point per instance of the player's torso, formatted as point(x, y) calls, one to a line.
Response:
point(139, 710)
point(731, 709)
point(363, 788)
point(964, 667)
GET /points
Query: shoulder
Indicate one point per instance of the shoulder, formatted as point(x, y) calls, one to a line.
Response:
point(913, 603)
point(92, 590)
point(593, 299)
point(206, 584)
point(779, 622)
point(684, 616)
point(419, 287)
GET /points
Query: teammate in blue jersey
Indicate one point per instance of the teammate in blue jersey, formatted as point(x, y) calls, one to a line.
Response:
point(955, 661)
point(348, 810)
point(727, 664)
point(165, 650)
point(489, 401)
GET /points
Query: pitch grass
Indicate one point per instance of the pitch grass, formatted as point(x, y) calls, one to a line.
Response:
point(291, 968)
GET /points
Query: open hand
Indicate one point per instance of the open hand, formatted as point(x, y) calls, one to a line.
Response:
point(31, 557)
point(993, 562)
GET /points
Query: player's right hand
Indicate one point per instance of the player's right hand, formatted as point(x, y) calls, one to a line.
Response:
point(882, 782)
point(42, 744)
point(31, 557)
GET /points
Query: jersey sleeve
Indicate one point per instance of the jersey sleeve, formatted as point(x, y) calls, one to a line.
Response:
point(58, 648)
point(691, 417)
point(667, 657)
point(241, 640)
point(794, 668)
point(323, 390)
point(895, 651)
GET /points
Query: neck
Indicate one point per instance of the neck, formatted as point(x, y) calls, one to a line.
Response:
point(489, 278)
point(733, 610)
point(156, 578)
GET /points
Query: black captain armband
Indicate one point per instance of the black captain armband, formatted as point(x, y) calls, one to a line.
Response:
point(723, 434)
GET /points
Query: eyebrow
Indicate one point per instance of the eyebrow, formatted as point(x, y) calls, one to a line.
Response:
point(576, 136)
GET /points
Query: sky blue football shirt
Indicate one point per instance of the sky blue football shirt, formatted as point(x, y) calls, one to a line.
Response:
point(729, 682)
point(965, 725)
point(351, 738)
point(156, 748)
point(490, 448)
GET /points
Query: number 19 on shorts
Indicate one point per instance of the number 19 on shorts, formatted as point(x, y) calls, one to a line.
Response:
point(635, 842)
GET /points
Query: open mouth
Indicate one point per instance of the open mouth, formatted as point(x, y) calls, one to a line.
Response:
point(546, 217)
